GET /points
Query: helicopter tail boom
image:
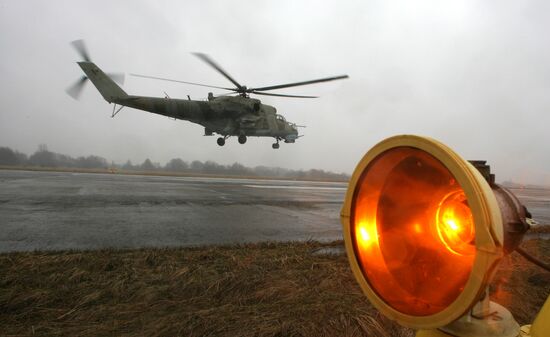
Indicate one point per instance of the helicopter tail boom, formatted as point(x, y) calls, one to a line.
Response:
point(110, 91)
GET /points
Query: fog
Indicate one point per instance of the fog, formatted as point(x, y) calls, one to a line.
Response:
point(474, 75)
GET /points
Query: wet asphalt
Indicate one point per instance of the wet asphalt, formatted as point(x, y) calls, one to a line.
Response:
point(55, 211)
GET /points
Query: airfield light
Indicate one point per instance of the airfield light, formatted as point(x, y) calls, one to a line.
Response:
point(455, 225)
point(424, 233)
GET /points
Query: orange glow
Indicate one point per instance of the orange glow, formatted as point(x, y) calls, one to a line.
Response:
point(367, 234)
point(455, 225)
point(413, 231)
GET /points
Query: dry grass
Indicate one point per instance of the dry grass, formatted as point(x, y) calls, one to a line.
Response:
point(541, 229)
point(268, 289)
point(521, 286)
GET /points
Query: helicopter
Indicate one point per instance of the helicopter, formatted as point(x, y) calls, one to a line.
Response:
point(233, 114)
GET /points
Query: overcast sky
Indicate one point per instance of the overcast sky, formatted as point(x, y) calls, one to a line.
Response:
point(472, 74)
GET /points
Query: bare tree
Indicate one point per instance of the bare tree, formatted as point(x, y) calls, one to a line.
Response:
point(8, 156)
point(176, 165)
point(147, 165)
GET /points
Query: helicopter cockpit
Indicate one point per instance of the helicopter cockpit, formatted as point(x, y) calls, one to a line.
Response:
point(281, 122)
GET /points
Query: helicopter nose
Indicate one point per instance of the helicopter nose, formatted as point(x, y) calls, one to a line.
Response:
point(291, 138)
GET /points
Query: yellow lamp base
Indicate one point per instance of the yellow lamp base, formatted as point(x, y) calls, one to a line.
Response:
point(472, 327)
point(541, 325)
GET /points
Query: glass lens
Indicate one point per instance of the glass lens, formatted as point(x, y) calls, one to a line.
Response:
point(413, 231)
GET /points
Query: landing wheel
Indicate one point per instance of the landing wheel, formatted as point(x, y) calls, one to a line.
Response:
point(221, 141)
point(242, 139)
point(275, 145)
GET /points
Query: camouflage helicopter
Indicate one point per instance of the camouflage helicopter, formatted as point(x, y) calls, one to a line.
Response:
point(225, 115)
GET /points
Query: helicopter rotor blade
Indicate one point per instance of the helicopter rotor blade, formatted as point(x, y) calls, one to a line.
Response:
point(117, 77)
point(281, 95)
point(214, 65)
point(76, 89)
point(192, 83)
point(81, 49)
point(280, 86)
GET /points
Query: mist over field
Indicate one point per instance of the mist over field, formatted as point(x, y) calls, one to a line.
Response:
point(44, 159)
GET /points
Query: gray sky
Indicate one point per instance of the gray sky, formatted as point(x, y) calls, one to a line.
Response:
point(472, 74)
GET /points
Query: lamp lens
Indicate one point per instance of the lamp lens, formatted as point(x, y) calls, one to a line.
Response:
point(413, 231)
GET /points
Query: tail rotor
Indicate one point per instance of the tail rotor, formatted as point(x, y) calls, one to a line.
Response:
point(75, 90)
point(80, 47)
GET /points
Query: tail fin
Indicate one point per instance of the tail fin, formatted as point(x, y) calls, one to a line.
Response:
point(110, 91)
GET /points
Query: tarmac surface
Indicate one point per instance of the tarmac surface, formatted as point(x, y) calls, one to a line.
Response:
point(54, 211)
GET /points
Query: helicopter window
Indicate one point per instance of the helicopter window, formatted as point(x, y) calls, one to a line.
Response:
point(281, 122)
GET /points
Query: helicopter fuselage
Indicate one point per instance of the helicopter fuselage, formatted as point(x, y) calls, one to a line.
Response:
point(225, 115)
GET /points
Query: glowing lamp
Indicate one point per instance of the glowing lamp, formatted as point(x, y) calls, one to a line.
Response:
point(424, 232)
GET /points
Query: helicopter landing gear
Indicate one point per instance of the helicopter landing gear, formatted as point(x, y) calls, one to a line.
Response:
point(242, 139)
point(275, 145)
point(221, 141)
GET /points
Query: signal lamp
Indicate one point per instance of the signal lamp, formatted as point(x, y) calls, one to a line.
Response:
point(424, 231)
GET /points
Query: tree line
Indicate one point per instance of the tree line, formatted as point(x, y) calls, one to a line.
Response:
point(43, 157)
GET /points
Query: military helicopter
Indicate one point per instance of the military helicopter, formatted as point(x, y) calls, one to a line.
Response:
point(225, 115)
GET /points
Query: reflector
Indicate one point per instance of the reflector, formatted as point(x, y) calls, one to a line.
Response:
point(423, 231)
point(413, 231)
point(455, 226)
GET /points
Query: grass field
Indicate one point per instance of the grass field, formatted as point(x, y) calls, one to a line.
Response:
point(269, 289)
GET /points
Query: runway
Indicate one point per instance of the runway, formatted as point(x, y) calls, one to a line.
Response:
point(54, 211)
